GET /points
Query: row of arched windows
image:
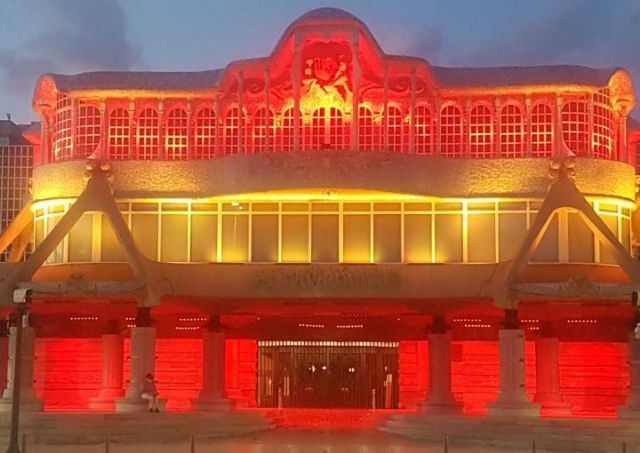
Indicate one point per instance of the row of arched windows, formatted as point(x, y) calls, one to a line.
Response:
point(483, 135)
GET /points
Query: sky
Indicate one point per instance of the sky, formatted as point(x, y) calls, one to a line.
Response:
point(69, 36)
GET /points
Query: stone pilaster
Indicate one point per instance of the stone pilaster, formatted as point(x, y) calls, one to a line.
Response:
point(213, 395)
point(28, 399)
point(631, 408)
point(440, 399)
point(548, 376)
point(143, 357)
point(512, 398)
point(112, 364)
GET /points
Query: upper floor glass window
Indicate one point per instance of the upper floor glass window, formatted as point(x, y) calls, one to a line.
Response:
point(480, 132)
point(88, 130)
point(148, 134)
point(451, 132)
point(204, 133)
point(119, 134)
point(177, 136)
point(511, 131)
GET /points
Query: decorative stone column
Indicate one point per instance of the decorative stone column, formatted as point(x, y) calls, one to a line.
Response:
point(548, 374)
point(143, 357)
point(512, 398)
point(213, 395)
point(28, 399)
point(440, 399)
point(631, 409)
point(112, 364)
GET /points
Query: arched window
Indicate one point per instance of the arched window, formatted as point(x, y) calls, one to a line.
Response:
point(315, 131)
point(337, 129)
point(62, 139)
point(88, 130)
point(511, 131)
point(261, 137)
point(148, 134)
point(204, 133)
point(423, 130)
point(232, 131)
point(480, 132)
point(575, 129)
point(541, 131)
point(395, 130)
point(177, 136)
point(451, 136)
point(119, 133)
point(603, 131)
point(369, 131)
point(284, 133)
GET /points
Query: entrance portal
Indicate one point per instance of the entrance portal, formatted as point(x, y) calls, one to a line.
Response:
point(328, 374)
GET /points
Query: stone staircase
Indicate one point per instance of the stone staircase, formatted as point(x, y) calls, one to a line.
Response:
point(511, 434)
point(92, 428)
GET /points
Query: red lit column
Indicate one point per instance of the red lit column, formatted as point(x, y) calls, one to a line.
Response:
point(28, 399)
point(548, 374)
point(440, 399)
point(512, 397)
point(213, 395)
point(143, 356)
point(112, 363)
point(631, 409)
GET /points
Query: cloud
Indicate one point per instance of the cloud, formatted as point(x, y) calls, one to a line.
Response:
point(76, 35)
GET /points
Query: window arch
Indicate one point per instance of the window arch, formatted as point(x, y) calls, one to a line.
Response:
point(369, 131)
point(480, 132)
point(603, 130)
point(119, 134)
point(511, 131)
point(261, 137)
point(337, 129)
point(204, 133)
point(177, 136)
point(62, 132)
point(284, 133)
point(148, 134)
point(88, 130)
point(451, 132)
point(541, 131)
point(395, 130)
point(232, 131)
point(423, 130)
point(575, 129)
point(314, 132)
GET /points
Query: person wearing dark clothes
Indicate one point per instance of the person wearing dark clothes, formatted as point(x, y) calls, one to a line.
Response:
point(150, 392)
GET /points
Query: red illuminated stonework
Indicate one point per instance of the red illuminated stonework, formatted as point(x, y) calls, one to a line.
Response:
point(331, 226)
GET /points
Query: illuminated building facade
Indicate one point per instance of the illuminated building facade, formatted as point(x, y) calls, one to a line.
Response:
point(306, 228)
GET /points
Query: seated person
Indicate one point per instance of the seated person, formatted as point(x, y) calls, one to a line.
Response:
point(150, 392)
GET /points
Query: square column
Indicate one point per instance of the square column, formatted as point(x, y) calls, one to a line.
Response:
point(440, 399)
point(143, 357)
point(112, 364)
point(28, 399)
point(213, 395)
point(512, 398)
point(631, 409)
point(548, 377)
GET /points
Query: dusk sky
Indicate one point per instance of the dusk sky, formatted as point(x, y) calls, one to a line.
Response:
point(69, 36)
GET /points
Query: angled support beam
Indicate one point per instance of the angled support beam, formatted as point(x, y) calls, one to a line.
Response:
point(20, 244)
point(23, 221)
point(562, 194)
point(97, 196)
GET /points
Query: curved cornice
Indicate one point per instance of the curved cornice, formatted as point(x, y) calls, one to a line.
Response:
point(330, 171)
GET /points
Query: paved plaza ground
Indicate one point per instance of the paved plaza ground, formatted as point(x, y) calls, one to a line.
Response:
point(284, 441)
